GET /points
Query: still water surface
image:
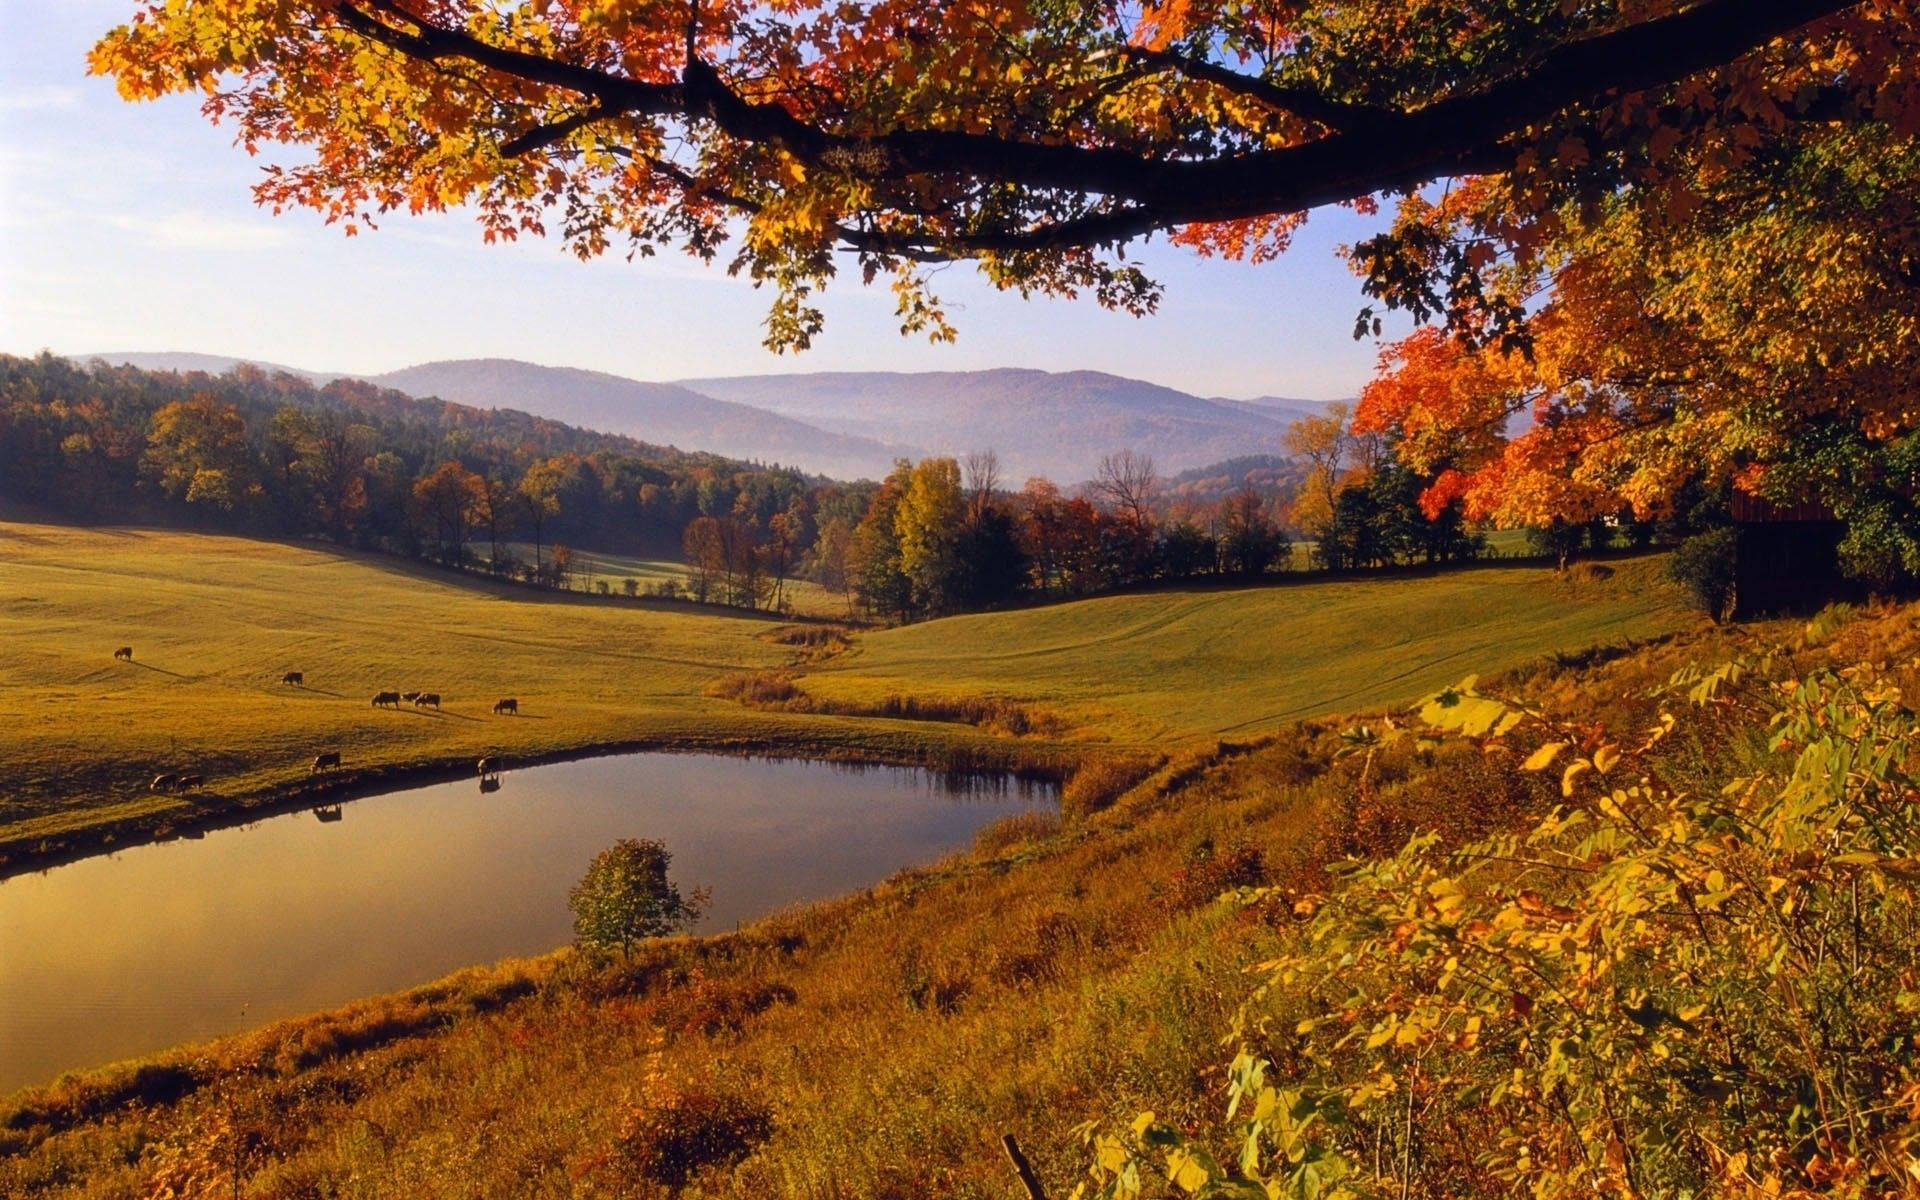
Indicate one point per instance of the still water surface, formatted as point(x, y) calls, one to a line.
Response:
point(136, 951)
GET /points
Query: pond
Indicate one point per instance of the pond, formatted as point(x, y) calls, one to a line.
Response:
point(129, 953)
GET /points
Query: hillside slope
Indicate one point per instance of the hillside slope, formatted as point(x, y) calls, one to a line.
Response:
point(1056, 424)
point(662, 413)
point(1234, 661)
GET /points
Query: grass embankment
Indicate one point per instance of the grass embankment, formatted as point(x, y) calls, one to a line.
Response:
point(876, 1046)
point(214, 622)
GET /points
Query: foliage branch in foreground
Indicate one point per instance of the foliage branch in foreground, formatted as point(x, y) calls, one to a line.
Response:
point(1648, 993)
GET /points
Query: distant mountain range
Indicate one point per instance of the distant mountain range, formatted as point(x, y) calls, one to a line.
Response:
point(854, 424)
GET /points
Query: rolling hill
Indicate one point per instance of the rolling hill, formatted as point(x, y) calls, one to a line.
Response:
point(663, 413)
point(215, 620)
point(854, 424)
point(1056, 424)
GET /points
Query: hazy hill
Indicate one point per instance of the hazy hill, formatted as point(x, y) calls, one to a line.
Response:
point(1041, 422)
point(656, 412)
point(1284, 408)
point(211, 364)
point(853, 424)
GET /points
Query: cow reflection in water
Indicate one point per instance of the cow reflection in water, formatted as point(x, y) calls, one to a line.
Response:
point(327, 812)
point(490, 785)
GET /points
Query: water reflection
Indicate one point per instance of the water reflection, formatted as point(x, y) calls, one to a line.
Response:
point(155, 945)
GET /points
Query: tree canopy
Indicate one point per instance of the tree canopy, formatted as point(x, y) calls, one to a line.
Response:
point(1038, 138)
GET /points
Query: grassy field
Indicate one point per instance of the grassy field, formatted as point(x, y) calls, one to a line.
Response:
point(215, 621)
point(591, 567)
point(1159, 665)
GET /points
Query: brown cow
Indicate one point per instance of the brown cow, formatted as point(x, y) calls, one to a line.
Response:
point(409, 697)
point(386, 698)
point(164, 783)
point(294, 679)
point(322, 761)
point(427, 700)
point(123, 654)
point(188, 783)
point(506, 704)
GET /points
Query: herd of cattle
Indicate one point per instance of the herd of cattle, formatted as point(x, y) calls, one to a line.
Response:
point(488, 767)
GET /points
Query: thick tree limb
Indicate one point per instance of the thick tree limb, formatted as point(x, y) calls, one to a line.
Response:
point(1368, 151)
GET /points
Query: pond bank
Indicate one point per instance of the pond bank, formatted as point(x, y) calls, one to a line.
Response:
point(24, 853)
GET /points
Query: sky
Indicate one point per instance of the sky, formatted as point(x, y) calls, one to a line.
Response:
point(130, 227)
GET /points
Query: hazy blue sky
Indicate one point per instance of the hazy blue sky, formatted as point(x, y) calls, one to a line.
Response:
point(130, 227)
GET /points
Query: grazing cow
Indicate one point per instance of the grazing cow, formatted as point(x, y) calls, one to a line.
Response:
point(427, 700)
point(164, 783)
point(506, 704)
point(323, 761)
point(123, 654)
point(410, 697)
point(187, 783)
point(386, 698)
point(489, 766)
point(294, 679)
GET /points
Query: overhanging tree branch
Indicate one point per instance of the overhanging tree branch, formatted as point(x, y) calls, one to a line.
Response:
point(1126, 194)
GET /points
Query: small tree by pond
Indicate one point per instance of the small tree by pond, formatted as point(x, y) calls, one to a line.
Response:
point(625, 896)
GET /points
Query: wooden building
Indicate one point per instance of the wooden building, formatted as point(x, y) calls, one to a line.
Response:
point(1788, 558)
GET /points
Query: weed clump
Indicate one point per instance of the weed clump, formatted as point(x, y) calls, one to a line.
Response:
point(681, 1133)
point(757, 689)
point(1097, 783)
point(1212, 871)
point(777, 691)
point(1005, 834)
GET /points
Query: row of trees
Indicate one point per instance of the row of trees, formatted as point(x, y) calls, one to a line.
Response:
point(942, 535)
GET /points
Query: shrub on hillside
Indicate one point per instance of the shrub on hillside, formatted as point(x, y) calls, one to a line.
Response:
point(1649, 991)
point(998, 837)
point(710, 1005)
point(676, 1135)
point(1212, 871)
point(1704, 566)
point(626, 896)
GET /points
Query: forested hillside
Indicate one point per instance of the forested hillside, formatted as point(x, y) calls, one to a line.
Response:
point(358, 464)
